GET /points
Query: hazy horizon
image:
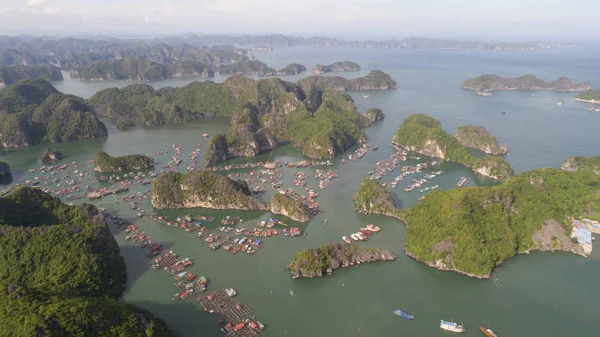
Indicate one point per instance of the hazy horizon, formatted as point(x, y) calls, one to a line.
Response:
point(514, 20)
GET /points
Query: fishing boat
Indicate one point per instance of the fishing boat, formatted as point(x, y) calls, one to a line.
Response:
point(487, 332)
point(346, 240)
point(451, 326)
point(403, 314)
point(230, 292)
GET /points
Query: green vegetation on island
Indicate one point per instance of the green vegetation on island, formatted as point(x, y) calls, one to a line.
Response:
point(205, 189)
point(317, 262)
point(336, 67)
point(477, 137)
point(258, 68)
point(423, 134)
point(574, 164)
point(374, 115)
point(291, 69)
point(141, 70)
point(10, 75)
point(373, 198)
point(34, 112)
point(251, 67)
point(375, 80)
point(282, 204)
point(141, 105)
point(61, 273)
point(472, 230)
point(592, 96)
point(485, 83)
point(106, 163)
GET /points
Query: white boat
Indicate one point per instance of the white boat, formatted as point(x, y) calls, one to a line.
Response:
point(355, 237)
point(346, 240)
point(451, 326)
point(366, 96)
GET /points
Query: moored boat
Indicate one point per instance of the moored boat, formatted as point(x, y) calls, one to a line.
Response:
point(403, 314)
point(451, 326)
point(346, 240)
point(355, 237)
point(487, 332)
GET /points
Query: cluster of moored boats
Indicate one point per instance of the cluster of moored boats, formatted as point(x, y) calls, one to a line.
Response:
point(325, 177)
point(447, 325)
point(363, 234)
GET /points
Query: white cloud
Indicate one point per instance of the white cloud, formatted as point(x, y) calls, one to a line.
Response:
point(34, 3)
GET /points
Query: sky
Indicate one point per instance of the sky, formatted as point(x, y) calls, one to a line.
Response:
point(350, 19)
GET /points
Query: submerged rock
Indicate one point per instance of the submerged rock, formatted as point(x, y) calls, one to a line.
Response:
point(317, 262)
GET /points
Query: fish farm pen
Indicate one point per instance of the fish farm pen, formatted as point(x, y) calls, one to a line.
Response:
point(237, 318)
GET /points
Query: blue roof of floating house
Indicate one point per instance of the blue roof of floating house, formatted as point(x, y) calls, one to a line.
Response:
point(584, 235)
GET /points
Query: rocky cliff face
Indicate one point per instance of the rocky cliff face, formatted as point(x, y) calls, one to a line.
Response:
point(4, 169)
point(283, 205)
point(317, 262)
point(478, 137)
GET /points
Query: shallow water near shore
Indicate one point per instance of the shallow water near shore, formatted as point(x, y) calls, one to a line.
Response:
point(541, 294)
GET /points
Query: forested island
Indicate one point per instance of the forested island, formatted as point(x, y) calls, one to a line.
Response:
point(592, 96)
point(10, 75)
point(336, 67)
point(472, 230)
point(320, 120)
point(258, 68)
point(483, 84)
point(103, 162)
point(282, 204)
point(33, 112)
point(423, 134)
point(477, 137)
point(61, 272)
point(205, 189)
point(140, 70)
point(317, 262)
point(375, 80)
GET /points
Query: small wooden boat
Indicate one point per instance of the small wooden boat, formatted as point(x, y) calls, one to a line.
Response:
point(487, 332)
point(346, 240)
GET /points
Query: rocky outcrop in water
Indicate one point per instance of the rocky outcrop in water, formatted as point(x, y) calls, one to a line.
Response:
point(294, 209)
point(375, 80)
point(134, 162)
point(4, 169)
point(336, 67)
point(373, 198)
point(374, 115)
point(318, 262)
point(205, 189)
point(49, 156)
point(477, 137)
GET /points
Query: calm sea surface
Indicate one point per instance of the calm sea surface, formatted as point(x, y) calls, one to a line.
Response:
point(542, 294)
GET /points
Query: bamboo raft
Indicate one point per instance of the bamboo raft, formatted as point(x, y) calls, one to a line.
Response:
point(233, 311)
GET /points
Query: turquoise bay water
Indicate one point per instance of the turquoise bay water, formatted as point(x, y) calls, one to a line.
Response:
point(542, 294)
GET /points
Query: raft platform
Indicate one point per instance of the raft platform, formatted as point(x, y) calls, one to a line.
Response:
point(239, 319)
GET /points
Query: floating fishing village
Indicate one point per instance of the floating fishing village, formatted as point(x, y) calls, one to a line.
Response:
point(232, 233)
